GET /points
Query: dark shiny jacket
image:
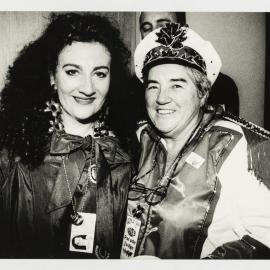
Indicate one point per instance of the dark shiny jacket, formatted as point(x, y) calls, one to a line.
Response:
point(35, 204)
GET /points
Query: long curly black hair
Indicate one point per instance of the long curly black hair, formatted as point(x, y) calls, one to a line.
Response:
point(23, 123)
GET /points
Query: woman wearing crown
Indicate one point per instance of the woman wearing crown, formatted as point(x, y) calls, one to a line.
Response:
point(203, 181)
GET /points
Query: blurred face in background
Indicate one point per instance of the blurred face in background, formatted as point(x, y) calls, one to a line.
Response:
point(82, 79)
point(149, 21)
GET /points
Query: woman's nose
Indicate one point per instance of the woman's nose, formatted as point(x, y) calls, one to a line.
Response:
point(163, 96)
point(87, 86)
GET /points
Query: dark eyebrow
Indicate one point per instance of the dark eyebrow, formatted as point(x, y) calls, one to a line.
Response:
point(78, 66)
point(151, 81)
point(178, 80)
point(101, 67)
point(163, 20)
point(73, 65)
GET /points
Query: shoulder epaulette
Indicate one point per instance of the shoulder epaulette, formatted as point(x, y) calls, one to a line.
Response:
point(248, 125)
point(141, 123)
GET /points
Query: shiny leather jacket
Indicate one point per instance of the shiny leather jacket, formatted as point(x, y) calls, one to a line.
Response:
point(35, 204)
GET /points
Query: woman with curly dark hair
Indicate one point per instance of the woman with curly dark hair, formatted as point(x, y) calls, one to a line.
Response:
point(64, 173)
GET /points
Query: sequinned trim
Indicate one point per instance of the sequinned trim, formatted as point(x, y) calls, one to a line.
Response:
point(185, 54)
point(171, 38)
point(246, 124)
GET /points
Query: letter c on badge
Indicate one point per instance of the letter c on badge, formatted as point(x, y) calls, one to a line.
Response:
point(78, 242)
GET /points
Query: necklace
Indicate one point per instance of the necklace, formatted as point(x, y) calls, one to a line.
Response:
point(168, 176)
point(75, 217)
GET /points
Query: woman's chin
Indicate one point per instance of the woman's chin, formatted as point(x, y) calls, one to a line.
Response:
point(164, 130)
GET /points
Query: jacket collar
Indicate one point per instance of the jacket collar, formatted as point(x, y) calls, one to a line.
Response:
point(60, 196)
point(213, 113)
point(154, 149)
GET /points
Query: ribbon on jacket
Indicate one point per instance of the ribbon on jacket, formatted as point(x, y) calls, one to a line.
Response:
point(66, 143)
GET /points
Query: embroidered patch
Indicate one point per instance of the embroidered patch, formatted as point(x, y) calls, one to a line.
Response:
point(195, 160)
point(92, 173)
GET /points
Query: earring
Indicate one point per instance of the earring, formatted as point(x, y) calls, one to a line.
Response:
point(55, 109)
point(208, 108)
point(100, 127)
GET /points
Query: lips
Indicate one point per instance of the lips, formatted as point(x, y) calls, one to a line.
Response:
point(84, 100)
point(165, 111)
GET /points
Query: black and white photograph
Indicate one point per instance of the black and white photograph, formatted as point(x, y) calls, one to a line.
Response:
point(136, 135)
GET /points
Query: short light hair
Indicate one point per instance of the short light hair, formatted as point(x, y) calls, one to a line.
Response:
point(201, 82)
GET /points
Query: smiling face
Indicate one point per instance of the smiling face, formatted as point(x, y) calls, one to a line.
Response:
point(172, 99)
point(149, 21)
point(82, 79)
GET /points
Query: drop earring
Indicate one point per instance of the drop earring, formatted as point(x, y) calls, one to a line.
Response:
point(53, 106)
point(100, 126)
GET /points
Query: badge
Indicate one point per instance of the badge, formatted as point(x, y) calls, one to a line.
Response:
point(92, 173)
point(82, 236)
point(195, 160)
point(130, 239)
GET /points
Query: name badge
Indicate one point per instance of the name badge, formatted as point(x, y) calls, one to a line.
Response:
point(195, 160)
point(130, 239)
point(82, 236)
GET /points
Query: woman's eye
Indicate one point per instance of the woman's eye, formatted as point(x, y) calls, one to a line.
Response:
point(151, 87)
point(101, 74)
point(177, 86)
point(71, 72)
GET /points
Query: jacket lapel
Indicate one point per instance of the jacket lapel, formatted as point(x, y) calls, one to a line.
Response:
point(61, 197)
point(104, 201)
